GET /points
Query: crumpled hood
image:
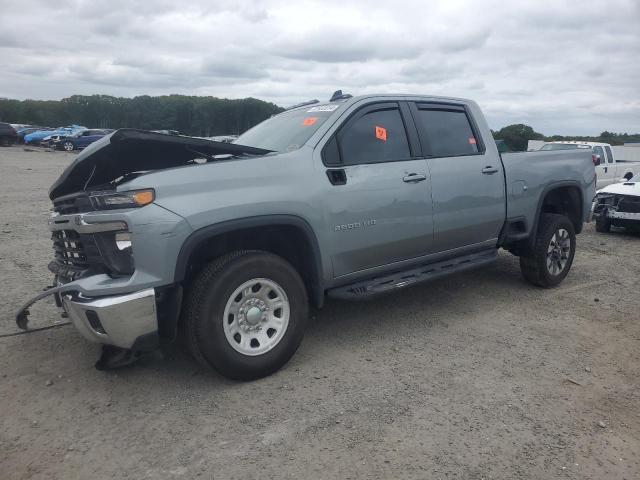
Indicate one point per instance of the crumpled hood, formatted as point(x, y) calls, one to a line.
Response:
point(625, 188)
point(128, 150)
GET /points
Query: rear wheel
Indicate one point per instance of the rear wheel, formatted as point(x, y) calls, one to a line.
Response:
point(551, 257)
point(245, 314)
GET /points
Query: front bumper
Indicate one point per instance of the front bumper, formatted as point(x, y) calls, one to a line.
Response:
point(118, 320)
point(623, 215)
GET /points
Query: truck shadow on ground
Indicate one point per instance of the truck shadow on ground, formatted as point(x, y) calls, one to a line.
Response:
point(351, 324)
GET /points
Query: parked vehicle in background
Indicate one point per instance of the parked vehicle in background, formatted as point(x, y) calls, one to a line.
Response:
point(8, 134)
point(27, 130)
point(79, 140)
point(37, 136)
point(618, 205)
point(351, 198)
point(608, 168)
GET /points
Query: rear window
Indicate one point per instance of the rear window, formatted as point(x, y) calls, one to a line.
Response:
point(448, 132)
point(287, 131)
point(559, 146)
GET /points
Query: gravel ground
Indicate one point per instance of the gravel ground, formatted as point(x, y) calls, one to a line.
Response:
point(475, 376)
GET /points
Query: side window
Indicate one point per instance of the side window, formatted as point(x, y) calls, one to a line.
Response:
point(609, 154)
point(600, 151)
point(448, 132)
point(377, 136)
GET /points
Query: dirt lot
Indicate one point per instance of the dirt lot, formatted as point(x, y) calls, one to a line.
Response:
point(476, 376)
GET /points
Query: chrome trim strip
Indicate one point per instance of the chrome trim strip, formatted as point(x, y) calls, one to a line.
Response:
point(82, 223)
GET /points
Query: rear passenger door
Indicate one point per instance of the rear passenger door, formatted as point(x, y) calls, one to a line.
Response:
point(378, 197)
point(467, 182)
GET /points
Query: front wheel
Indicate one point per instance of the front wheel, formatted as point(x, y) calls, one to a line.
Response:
point(245, 314)
point(68, 146)
point(603, 224)
point(551, 257)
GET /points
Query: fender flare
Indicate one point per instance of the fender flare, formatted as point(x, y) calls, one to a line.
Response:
point(544, 193)
point(198, 237)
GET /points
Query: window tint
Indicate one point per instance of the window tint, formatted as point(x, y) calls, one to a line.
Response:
point(609, 154)
point(377, 136)
point(448, 132)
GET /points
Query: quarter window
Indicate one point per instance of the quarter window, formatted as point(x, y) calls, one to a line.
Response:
point(448, 132)
point(377, 136)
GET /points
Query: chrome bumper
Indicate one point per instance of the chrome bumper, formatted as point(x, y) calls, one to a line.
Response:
point(623, 215)
point(117, 320)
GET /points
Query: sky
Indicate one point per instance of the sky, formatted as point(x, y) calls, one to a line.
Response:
point(563, 67)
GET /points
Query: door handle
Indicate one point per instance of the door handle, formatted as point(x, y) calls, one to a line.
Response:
point(414, 178)
point(489, 170)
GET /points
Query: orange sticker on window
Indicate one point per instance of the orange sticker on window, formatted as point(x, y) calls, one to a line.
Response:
point(309, 121)
point(381, 133)
point(472, 141)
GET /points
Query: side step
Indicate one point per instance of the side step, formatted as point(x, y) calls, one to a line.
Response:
point(428, 271)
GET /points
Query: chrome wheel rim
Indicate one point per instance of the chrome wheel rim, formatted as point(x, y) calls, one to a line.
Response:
point(256, 316)
point(558, 251)
point(68, 147)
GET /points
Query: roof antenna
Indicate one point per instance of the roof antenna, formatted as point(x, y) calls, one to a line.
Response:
point(338, 95)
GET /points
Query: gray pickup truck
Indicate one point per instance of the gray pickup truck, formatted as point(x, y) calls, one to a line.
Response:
point(231, 243)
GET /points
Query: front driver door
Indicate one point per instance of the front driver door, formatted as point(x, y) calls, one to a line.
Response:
point(378, 198)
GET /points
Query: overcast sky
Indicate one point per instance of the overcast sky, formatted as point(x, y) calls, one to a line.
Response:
point(565, 67)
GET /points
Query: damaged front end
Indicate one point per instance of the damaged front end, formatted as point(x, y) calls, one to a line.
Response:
point(620, 210)
point(107, 241)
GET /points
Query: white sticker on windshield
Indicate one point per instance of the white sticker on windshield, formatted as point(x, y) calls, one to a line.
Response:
point(323, 108)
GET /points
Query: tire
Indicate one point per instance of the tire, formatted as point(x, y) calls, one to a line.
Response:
point(4, 141)
point(228, 329)
point(68, 146)
point(551, 257)
point(603, 224)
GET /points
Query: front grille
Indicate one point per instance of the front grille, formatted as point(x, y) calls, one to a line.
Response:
point(629, 204)
point(65, 206)
point(74, 203)
point(75, 255)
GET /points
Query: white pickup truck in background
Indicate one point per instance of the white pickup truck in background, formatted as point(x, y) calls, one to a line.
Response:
point(609, 169)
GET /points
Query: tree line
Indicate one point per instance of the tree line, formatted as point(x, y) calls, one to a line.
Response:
point(205, 116)
point(517, 136)
point(190, 115)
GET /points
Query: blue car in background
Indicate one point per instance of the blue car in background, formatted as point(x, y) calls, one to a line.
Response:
point(78, 140)
point(37, 136)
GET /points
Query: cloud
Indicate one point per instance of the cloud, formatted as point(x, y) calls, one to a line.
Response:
point(567, 69)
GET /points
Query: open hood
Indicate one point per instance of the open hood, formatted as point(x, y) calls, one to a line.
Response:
point(128, 150)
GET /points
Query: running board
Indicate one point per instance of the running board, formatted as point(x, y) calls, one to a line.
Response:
point(423, 273)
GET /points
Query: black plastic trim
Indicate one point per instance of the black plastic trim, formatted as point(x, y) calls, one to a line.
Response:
point(204, 234)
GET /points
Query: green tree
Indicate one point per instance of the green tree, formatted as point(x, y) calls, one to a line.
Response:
point(517, 136)
point(190, 115)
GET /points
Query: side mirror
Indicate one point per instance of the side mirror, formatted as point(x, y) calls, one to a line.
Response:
point(596, 159)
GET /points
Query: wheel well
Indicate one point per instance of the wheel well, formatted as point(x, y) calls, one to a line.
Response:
point(287, 241)
point(565, 201)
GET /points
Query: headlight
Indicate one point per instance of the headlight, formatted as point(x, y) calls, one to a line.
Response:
point(604, 199)
point(111, 201)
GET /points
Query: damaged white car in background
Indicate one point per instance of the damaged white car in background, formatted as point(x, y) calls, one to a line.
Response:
point(618, 205)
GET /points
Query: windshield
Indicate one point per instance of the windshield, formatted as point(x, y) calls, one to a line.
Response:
point(560, 146)
point(287, 131)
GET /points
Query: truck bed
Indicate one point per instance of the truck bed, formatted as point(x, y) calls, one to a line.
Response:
point(529, 174)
